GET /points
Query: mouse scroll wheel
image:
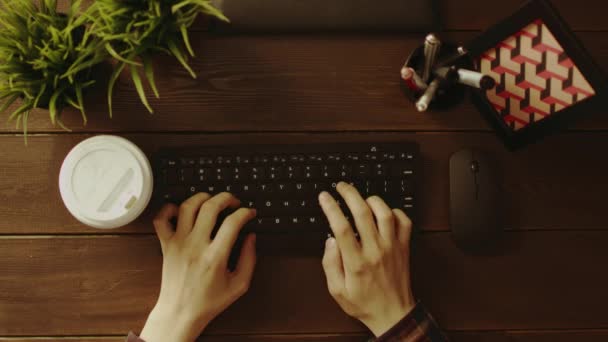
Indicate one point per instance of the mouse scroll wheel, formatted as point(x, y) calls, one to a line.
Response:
point(474, 166)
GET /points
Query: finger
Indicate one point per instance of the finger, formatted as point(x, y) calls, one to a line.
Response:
point(404, 227)
point(229, 231)
point(211, 209)
point(162, 225)
point(345, 237)
point(385, 219)
point(364, 220)
point(333, 268)
point(188, 211)
point(246, 265)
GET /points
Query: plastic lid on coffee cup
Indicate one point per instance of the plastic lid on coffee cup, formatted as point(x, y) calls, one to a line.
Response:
point(106, 182)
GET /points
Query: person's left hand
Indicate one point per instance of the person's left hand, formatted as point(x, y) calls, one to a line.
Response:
point(196, 283)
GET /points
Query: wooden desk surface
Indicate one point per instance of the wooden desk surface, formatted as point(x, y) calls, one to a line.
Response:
point(64, 281)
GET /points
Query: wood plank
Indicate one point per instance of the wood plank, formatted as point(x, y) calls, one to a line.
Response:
point(475, 15)
point(465, 14)
point(553, 185)
point(63, 339)
point(530, 336)
point(286, 83)
point(106, 285)
point(501, 336)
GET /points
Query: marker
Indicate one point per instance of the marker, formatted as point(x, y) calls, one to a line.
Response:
point(475, 79)
point(461, 51)
point(432, 45)
point(423, 103)
point(412, 80)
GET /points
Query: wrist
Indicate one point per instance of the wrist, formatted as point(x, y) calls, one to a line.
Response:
point(380, 324)
point(170, 325)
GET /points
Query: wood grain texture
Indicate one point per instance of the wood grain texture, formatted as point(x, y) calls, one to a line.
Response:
point(582, 15)
point(286, 83)
point(475, 15)
point(479, 336)
point(106, 285)
point(553, 185)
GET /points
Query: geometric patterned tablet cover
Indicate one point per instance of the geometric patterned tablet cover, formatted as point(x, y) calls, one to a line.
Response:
point(534, 75)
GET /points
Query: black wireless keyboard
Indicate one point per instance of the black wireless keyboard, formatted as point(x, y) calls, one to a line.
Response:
point(283, 181)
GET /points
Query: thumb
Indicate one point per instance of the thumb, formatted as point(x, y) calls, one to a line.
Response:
point(333, 267)
point(246, 265)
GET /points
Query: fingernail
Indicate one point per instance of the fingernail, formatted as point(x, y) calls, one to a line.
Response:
point(324, 196)
point(330, 242)
point(254, 212)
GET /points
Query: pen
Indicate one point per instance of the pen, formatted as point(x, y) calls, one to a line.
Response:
point(412, 80)
point(423, 103)
point(461, 51)
point(475, 79)
point(432, 45)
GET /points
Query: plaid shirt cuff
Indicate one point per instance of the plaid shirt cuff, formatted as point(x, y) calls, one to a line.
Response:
point(133, 338)
point(416, 326)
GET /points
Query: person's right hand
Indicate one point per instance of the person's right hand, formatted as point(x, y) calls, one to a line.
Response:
point(369, 279)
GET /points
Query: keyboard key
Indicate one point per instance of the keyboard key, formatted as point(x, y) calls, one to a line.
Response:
point(312, 171)
point(266, 207)
point(171, 176)
point(188, 161)
point(246, 189)
point(399, 171)
point(261, 159)
point(329, 171)
point(345, 171)
point(242, 160)
point(284, 188)
point(353, 157)
point(276, 172)
point(205, 161)
point(175, 194)
point(265, 188)
point(186, 176)
point(293, 172)
point(210, 188)
point(248, 204)
point(362, 170)
point(191, 191)
point(256, 173)
point(380, 170)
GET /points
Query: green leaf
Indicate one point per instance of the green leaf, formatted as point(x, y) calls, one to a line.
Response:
point(79, 97)
point(8, 103)
point(140, 88)
point(24, 107)
point(24, 118)
point(111, 83)
point(149, 72)
point(62, 126)
point(115, 54)
point(180, 57)
point(186, 39)
point(211, 10)
point(53, 106)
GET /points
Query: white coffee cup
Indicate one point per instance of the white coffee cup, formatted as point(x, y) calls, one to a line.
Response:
point(106, 182)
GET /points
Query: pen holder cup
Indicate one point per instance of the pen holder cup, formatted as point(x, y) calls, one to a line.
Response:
point(448, 94)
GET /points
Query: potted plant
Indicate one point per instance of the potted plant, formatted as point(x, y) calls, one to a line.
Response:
point(46, 58)
point(133, 31)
